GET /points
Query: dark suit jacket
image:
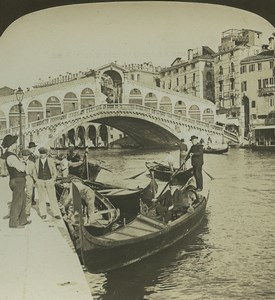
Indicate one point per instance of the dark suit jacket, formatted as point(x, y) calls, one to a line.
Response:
point(197, 157)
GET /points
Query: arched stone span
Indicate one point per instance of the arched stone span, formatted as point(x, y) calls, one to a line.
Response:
point(70, 102)
point(180, 108)
point(14, 116)
point(35, 111)
point(87, 98)
point(135, 96)
point(151, 100)
point(80, 136)
point(92, 134)
point(53, 107)
point(165, 104)
point(103, 134)
point(194, 112)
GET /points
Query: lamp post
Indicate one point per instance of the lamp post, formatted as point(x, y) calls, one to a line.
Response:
point(19, 96)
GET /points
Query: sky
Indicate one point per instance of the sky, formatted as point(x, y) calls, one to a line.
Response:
point(86, 36)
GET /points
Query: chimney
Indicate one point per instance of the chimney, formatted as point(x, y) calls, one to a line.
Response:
point(190, 54)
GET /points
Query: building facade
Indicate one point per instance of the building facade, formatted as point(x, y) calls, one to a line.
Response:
point(194, 76)
point(258, 86)
point(235, 46)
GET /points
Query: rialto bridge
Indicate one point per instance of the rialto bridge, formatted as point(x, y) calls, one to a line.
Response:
point(66, 112)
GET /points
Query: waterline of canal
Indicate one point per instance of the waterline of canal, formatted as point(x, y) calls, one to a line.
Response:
point(230, 256)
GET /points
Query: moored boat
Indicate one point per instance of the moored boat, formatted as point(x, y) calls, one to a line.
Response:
point(130, 242)
point(85, 170)
point(163, 173)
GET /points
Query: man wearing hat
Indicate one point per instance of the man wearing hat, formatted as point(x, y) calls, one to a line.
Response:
point(30, 179)
point(46, 175)
point(196, 154)
point(32, 148)
point(17, 172)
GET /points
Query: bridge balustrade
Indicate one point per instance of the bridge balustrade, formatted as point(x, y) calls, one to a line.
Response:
point(116, 107)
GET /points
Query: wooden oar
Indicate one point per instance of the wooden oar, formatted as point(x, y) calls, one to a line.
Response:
point(135, 176)
point(211, 177)
point(172, 176)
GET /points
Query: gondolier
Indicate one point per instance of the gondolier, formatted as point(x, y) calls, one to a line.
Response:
point(196, 154)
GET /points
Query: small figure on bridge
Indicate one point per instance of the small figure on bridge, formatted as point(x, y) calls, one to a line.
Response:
point(183, 152)
point(196, 154)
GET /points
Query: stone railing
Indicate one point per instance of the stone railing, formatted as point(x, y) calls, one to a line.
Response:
point(103, 109)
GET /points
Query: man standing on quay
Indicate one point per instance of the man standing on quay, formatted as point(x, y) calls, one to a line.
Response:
point(17, 172)
point(196, 154)
point(46, 175)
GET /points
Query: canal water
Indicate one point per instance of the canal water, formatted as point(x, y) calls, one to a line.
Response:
point(230, 256)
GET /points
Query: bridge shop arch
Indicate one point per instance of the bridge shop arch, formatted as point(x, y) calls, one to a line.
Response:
point(194, 112)
point(35, 111)
point(14, 116)
point(180, 108)
point(151, 100)
point(53, 107)
point(135, 96)
point(87, 98)
point(165, 104)
point(70, 102)
point(208, 115)
point(3, 121)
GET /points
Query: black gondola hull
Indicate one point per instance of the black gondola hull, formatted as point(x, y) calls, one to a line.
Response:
point(101, 255)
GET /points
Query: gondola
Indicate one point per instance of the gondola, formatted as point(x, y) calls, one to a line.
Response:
point(128, 242)
point(163, 173)
point(216, 149)
point(84, 170)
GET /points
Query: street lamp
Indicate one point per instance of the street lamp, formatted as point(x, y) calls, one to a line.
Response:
point(19, 96)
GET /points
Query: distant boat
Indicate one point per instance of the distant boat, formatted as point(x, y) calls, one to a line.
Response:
point(216, 148)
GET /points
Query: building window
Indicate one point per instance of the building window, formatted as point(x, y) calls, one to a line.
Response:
point(221, 87)
point(271, 64)
point(232, 67)
point(265, 82)
point(232, 84)
point(185, 79)
point(253, 104)
point(259, 66)
point(221, 70)
point(271, 80)
point(254, 116)
point(193, 66)
point(111, 136)
point(252, 68)
point(177, 82)
point(243, 69)
point(169, 86)
point(272, 102)
point(138, 76)
point(244, 86)
point(163, 85)
point(184, 68)
point(132, 76)
point(259, 84)
point(194, 77)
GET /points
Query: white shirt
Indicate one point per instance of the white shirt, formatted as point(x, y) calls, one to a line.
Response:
point(14, 162)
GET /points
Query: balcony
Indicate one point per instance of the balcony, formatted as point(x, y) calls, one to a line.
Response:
point(267, 91)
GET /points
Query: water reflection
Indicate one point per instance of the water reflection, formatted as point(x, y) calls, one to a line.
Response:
point(230, 256)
